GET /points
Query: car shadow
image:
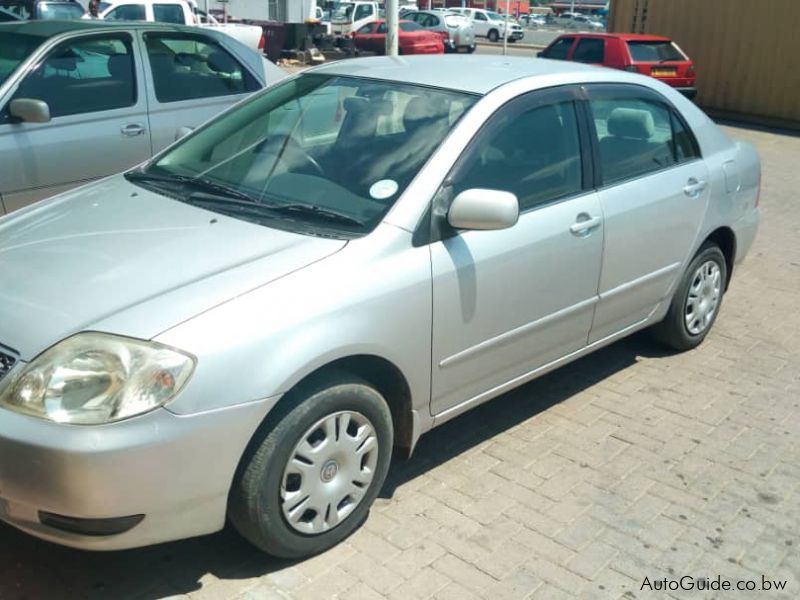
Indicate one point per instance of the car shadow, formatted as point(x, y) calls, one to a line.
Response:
point(33, 569)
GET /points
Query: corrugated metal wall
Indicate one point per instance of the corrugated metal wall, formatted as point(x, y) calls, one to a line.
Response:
point(747, 52)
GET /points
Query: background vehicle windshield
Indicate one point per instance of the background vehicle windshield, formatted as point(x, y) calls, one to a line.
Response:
point(655, 51)
point(14, 49)
point(341, 144)
point(60, 10)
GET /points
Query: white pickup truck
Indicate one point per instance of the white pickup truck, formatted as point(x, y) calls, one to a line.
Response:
point(181, 12)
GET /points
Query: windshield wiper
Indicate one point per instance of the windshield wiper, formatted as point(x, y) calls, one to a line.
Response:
point(312, 210)
point(219, 191)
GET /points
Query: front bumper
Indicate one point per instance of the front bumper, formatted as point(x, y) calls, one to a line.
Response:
point(174, 470)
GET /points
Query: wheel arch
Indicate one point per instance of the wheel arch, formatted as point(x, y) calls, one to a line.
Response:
point(725, 238)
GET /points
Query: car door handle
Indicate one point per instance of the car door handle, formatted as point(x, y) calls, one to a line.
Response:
point(132, 129)
point(584, 224)
point(694, 187)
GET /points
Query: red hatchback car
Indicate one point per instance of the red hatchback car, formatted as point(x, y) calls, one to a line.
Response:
point(412, 39)
point(652, 55)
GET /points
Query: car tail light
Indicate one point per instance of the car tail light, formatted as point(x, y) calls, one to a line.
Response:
point(262, 43)
point(632, 68)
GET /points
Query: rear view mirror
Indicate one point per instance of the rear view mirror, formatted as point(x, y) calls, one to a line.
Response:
point(483, 209)
point(29, 110)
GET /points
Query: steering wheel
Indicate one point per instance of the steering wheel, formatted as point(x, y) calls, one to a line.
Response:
point(290, 151)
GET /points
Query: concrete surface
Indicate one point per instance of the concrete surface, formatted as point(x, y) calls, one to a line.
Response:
point(631, 463)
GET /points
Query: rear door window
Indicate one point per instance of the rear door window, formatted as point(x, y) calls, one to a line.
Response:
point(189, 66)
point(637, 135)
point(590, 51)
point(127, 12)
point(654, 51)
point(559, 50)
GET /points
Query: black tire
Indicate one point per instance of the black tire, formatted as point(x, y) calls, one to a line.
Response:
point(493, 35)
point(471, 49)
point(255, 501)
point(512, 40)
point(673, 331)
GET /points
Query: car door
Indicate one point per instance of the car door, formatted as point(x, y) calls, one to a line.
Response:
point(508, 302)
point(191, 78)
point(654, 193)
point(558, 50)
point(590, 51)
point(481, 22)
point(98, 119)
point(364, 38)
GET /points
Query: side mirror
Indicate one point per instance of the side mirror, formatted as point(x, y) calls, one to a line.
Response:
point(539, 54)
point(182, 132)
point(29, 110)
point(483, 209)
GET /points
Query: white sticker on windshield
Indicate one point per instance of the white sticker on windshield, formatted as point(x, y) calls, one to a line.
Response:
point(385, 188)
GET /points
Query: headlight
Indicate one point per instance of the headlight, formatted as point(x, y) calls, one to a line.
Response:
point(93, 378)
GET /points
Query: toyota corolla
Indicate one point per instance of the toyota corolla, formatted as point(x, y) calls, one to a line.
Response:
point(246, 326)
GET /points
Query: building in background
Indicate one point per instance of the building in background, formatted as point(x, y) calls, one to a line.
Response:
point(745, 51)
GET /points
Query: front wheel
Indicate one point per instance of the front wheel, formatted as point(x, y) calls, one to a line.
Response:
point(493, 35)
point(310, 479)
point(696, 302)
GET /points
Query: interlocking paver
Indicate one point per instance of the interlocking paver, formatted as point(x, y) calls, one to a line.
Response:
point(632, 462)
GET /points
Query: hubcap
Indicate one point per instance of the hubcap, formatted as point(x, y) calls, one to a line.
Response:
point(328, 472)
point(702, 300)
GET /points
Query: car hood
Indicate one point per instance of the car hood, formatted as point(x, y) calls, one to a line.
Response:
point(115, 257)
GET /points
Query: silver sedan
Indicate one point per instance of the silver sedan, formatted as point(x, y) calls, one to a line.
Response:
point(80, 100)
point(247, 325)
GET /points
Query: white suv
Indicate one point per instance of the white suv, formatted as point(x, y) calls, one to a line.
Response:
point(491, 25)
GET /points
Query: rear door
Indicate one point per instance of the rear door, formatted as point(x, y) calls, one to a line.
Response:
point(191, 78)
point(98, 125)
point(654, 190)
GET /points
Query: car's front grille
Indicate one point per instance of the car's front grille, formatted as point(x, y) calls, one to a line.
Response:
point(6, 363)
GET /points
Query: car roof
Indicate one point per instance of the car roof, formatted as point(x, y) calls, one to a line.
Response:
point(45, 28)
point(473, 73)
point(627, 37)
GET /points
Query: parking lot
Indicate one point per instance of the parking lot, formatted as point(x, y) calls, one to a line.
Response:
point(630, 463)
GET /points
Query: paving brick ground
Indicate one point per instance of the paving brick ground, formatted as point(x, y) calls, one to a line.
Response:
point(631, 463)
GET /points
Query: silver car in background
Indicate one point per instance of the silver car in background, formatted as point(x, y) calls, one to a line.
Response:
point(456, 30)
point(246, 326)
point(80, 100)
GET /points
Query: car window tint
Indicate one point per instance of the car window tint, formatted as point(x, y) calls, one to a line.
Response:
point(187, 67)
point(381, 28)
point(366, 29)
point(686, 147)
point(589, 50)
point(634, 137)
point(362, 12)
point(127, 12)
point(654, 51)
point(409, 26)
point(168, 13)
point(83, 76)
point(480, 17)
point(534, 154)
point(559, 50)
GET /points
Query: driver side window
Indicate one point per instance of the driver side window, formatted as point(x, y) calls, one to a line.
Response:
point(532, 152)
point(127, 12)
point(83, 76)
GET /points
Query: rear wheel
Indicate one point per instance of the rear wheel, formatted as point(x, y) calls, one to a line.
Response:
point(696, 302)
point(311, 478)
point(493, 35)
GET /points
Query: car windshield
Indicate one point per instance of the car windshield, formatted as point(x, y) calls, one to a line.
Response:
point(14, 49)
point(60, 10)
point(654, 51)
point(343, 13)
point(454, 20)
point(320, 154)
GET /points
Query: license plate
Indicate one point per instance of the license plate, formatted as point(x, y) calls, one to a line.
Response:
point(664, 72)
